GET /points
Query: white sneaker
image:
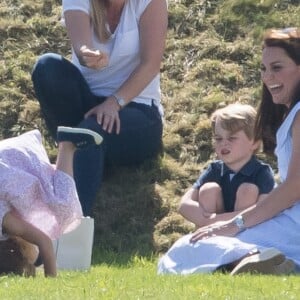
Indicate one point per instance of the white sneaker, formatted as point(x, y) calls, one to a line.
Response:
point(269, 261)
point(80, 137)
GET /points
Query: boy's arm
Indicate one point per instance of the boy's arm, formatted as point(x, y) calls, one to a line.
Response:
point(190, 209)
point(15, 226)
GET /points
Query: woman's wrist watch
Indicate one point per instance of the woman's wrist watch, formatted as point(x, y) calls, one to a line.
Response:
point(239, 222)
point(119, 100)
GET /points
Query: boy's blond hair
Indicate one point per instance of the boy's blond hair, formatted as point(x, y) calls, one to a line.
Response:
point(236, 117)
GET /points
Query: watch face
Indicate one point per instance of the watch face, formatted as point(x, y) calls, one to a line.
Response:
point(121, 101)
point(239, 222)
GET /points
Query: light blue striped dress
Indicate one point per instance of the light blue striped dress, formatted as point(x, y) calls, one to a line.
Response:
point(281, 232)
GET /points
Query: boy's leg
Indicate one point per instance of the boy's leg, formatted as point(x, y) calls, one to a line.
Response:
point(210, 198)
point(246, 195)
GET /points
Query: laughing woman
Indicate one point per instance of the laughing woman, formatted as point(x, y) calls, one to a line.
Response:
point(266, 237)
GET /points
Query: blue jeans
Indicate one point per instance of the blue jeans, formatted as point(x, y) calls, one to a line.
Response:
point(65, 97)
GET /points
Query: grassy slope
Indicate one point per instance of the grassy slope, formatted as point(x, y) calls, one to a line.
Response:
point(212, 58)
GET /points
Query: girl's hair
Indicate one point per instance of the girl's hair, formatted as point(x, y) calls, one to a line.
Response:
point(15, 257)
point(98, 15)
point(236, 117)
point(270, 115)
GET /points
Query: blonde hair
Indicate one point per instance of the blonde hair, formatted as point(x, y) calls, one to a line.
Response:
point(98, 16)
point(236, 117)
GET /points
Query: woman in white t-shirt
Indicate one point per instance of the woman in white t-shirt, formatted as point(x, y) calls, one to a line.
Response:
point(112, 85)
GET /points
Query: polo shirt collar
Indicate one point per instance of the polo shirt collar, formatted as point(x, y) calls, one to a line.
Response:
point(247, 169)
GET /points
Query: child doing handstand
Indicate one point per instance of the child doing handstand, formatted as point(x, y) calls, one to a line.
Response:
point(38, 201)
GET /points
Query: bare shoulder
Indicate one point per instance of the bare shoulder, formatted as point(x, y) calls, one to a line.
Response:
point(157, 6)
point(296, 126)
point(297, 117)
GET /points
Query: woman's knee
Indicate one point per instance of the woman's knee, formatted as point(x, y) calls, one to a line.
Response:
point(44, 63)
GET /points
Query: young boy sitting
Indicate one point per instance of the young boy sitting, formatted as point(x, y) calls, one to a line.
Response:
point(237, 179)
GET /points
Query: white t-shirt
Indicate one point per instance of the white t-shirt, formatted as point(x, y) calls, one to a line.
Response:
point(123, 49)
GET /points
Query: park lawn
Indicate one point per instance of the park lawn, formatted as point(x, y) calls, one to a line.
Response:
point(137, 279)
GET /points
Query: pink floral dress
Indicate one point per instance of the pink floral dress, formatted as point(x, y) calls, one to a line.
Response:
point(31, 187)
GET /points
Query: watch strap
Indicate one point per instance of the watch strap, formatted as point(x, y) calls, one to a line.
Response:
point(119, 100)
point(239, 222)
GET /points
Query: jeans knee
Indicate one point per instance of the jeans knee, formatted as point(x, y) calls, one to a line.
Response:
point(45, 60)
point(46, 66)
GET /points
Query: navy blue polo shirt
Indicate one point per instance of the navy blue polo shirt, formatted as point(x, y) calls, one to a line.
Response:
point(254, 171)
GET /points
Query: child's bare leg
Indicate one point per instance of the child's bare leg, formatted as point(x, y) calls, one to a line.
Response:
point(246, 195)
point(210, 198)
point(69, 139)
point(65, 155)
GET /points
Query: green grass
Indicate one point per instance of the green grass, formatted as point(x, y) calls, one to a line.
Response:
point(212, 58)
point(137, 279)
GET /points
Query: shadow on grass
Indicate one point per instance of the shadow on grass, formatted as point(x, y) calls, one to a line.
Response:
point(127, 209)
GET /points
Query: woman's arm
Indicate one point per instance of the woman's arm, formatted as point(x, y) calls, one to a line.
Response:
point(282, 197)
point(153, 30)
point(79, 31)
point(15, 226)
point(190, 209)
point(287, 193)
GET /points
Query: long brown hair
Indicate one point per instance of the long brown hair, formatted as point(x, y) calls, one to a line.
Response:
point(270, 115)
point(98, 15)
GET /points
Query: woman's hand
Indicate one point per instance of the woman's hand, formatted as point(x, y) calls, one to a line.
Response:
point(93, 59)
point(107, 114)
point(222, 228)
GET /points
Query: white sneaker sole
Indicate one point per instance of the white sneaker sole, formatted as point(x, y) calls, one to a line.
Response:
point(269, 261)
point(97, 137)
